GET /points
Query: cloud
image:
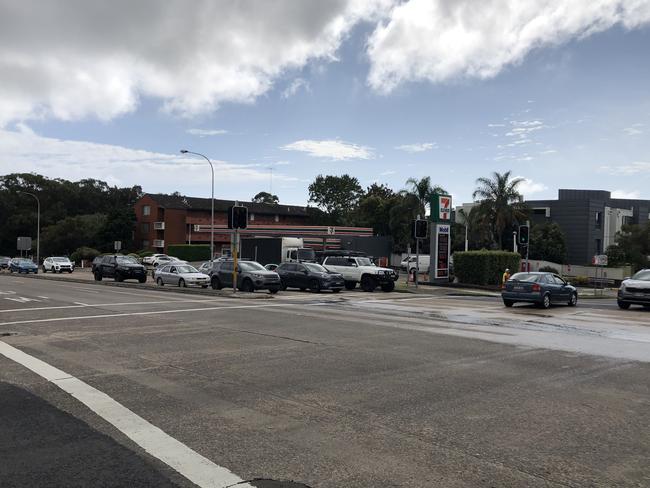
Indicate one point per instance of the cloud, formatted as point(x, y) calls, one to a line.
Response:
point(441, 40)
point(296, 85)
point(25, 151)
point(387, 173)
point(635, 168)
point(626, 195)
point(530, 187)
point(331, 149)
point(206, 132)
point(634, 130)
point(71, 60)
point(416, 148)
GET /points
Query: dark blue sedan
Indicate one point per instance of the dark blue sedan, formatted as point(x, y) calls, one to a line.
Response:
point(22, 265)
point(542, 289)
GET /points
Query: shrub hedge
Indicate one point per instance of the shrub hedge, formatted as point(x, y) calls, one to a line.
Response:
point(87, 253)
point(484, 267)
point(190, 252)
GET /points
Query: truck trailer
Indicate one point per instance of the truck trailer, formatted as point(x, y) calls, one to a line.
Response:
point(276, 250)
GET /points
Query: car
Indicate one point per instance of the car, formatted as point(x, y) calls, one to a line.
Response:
point(22, 265)
point(635, 291)
point(182, 275)
point(271, 266)
point(119, 268)
point(251, 276)
point(149, 259)
point(360, 269)
point(205, 267)
point(409, 264)
point(164, 259)
point(541, 288)
point(4, 262)
point(57, 264)
point(309, 276)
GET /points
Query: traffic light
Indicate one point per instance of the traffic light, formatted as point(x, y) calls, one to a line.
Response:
point(237, 217)
point(524, 235)
point(420, 228)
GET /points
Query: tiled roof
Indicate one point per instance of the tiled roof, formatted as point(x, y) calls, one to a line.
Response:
point(193, 203)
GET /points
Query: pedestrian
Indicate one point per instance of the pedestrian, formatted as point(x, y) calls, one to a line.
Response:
point(505, 277)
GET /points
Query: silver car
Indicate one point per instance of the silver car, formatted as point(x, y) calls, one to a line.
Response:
point(635, 291)
point(180, 275)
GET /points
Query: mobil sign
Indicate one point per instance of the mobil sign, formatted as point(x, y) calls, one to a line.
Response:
point(440, 208)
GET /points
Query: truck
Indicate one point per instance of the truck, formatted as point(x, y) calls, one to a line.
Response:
point(276, 250)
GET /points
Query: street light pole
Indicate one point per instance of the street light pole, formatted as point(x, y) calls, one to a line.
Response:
point(38, 225)
point(185, 151)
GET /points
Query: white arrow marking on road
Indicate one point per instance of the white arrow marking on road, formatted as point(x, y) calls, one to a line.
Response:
point(22, 299)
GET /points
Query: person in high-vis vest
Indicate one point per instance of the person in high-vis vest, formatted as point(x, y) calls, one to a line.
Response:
point(505, 277)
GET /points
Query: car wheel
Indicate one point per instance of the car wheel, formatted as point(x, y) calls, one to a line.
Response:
point(216, 283)
point(143, 279)
point(388, 287)
point(160, 282)
point(44, 269)
point(273, 291)
point(70, 271)
point(573, 301)
point(314, 285)
point(98, 277)
point(118, 277)
point(368, 283)
point(646, 307)
point(546, 302)
point(303, 289)
point(623, 305)
point(283, 286)
point(336, 290)
point(181, 283)
point(508, 303)
point(350, 285)
point(247, 286)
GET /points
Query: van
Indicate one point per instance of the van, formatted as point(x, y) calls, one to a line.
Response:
point(409, 264)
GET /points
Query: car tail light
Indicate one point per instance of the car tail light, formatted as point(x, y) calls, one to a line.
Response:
point(536, 287)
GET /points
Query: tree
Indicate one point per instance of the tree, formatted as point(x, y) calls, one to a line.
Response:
point(634, 240)
point(615, 256)
point(401, 216)
point(337, 195)
point(374, 209)
point(500, 203)
point(422, 190)
point(266, 197)
point(70, 233)
point(547, 243)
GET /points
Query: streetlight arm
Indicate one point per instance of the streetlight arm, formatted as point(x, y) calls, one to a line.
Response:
point(185, 151)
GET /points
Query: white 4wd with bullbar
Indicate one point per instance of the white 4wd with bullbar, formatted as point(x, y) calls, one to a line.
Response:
point(359, 269)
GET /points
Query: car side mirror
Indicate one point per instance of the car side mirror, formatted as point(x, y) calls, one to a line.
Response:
point(568, 283)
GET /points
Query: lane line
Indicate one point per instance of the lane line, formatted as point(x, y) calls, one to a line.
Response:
point(189, 463)
point(131, 314)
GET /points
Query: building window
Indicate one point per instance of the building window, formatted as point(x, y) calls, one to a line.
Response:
point(145, 228)
point(146, 210)
point(599, 246)
point(277, 218)
point(251, 217)
point(145, 244)
point(599, 220)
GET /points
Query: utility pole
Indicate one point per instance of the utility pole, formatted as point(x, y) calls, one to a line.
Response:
point(185, 151)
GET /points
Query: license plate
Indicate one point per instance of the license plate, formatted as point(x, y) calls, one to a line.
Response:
point(518, 288)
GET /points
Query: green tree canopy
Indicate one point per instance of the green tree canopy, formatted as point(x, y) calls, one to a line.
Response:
point(547, 243)
point(266, 197)
point(634, 241)
point(422, 190)
point(338, 196)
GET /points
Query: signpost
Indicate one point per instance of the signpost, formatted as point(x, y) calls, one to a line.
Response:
point(524, 239)
point(420, 230)
point(237, 219)
point(117, 245)
point(440, 238)
point(24, 244)
point(601, 261)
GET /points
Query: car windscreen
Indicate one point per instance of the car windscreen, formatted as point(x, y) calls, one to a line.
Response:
point(251, 266)
point(315, 268)
point(531, 278)
point(365, 262)
point(643, 275)
point(22, 261)
point(306, 254)
point(186, 269)
point(60, 260)
point(126, 260)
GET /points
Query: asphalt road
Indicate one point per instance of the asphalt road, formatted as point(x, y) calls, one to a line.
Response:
point(109, 386)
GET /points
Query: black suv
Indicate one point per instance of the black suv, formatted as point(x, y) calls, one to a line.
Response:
point(309, 275)
point(119, 268)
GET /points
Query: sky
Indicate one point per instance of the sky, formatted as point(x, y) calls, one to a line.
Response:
point(277, 92)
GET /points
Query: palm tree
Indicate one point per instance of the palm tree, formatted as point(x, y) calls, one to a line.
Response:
point(500, 202)
point(422, 190)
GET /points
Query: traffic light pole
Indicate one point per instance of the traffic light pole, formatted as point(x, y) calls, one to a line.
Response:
point(527, 244)
point(235, 256)
point(417, 260)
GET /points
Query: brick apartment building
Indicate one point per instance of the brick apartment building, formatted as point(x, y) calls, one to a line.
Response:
point(164, 220)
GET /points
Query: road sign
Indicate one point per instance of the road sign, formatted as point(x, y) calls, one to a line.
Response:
point(117, 245)
point(24, 244)
point(440, 208)
point(599, 260)
point(420, 228)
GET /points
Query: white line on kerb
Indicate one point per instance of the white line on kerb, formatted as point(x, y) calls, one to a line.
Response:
point(196, 468)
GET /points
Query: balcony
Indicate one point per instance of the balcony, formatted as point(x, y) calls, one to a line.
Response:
point(159, 226)
point(158, 243)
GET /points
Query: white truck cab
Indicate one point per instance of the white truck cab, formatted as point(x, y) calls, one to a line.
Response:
point(360, 269)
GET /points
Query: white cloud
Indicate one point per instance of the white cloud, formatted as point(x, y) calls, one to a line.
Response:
point(331, 149)
point(530, 187)
point(633, 130)
point(71, 60)
point(296, 85)
point(626, 195)
point(635, 168)
point(416, 148)
point(25, 151)
point(206, 132)
point(440, 40)
point(388, 173)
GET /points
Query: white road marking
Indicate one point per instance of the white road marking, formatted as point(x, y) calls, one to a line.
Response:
point(7, 292)
point(193, 466)
point(131, 314)
point(114, 304)
point(44, 298)
point(22, 299)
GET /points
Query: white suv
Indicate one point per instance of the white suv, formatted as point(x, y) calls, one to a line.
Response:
point(57, 265)
point(361, 270)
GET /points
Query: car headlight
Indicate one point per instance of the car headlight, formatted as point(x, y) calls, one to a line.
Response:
point(258, 276)
point(622, 288)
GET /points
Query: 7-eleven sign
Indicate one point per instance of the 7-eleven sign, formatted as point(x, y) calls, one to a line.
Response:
point(440, 208)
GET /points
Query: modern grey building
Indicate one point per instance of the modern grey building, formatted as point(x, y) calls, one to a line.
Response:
point(589, 219)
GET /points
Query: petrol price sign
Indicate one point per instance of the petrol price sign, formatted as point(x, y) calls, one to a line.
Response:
point(442, 251)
